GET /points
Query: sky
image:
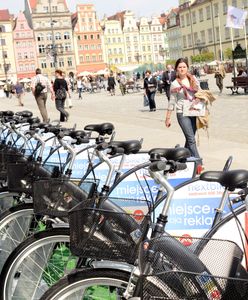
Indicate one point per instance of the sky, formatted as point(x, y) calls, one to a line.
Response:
point(109, 7)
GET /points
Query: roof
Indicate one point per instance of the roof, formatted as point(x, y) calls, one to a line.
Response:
point(119, 16)
point(5, 15)
point(33, 3)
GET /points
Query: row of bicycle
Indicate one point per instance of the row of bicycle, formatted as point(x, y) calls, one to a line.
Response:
point(63, 237)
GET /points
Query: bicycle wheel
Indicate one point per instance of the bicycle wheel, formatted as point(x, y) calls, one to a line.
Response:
point(7, 200)
point(104, 284)
point(16, 224)
point(36, 264)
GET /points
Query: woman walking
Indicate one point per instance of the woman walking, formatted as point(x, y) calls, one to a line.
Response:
point(19, 91)
point(150, 86)
point(183, 89)
point(111, 84)
point(60, 90)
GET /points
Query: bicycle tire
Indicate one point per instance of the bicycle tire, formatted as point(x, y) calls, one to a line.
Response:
point(14, 228)
point(25, 274)
point(84, 277)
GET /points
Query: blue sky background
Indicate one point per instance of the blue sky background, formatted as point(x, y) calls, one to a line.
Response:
point(140, 7)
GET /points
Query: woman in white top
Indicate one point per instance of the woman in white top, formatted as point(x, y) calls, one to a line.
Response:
point(184, 88)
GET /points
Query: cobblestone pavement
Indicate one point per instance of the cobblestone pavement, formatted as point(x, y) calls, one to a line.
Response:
point(228, 131)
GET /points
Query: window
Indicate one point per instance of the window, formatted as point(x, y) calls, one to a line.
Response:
point(114, 40)
point(40, 37)
point(25, 55)
point(92, 37)
point(100, 57)
point(54, 8)
point(236, 32)
point(49, 37)
point(234, 3)
point(182, 21)
point(193, 17)
point(93, 57)
point(86, 47)
point(2, 28)
point(227, 33)
point(87, 58)
point(52, 64)
point(195, 36)
point(43, 64)
point(31, 54)
point(224, 4)
point(83, 20)
point(99, 46)
point(187, 19)
point(135, 38)
point(79, 37)
point(119, 40)
point(67, 47)
point(98, 36)
point(201, 15)
point(203, 38)
point(144, 48)
point(57, 36)
point(85, 37)
point(128, 39)
point(45, 9)
point(208, 12)
point(92, 47)
point(69, 61)
point(129, 59)
point(184, 42)
point(210, 35)
point(120, 51)
point(19, 55)
point(21, 67)
point(90, 20)
point(148, 48)
point(121, 60)
point(81, 59)
point(22, 26)
point(189, 40)
point(216, 9)
point(66, 35)
point(245, 3)
point(41, 48)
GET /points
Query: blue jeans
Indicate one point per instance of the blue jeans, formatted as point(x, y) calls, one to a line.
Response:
point(188, 126)
point(151, 98)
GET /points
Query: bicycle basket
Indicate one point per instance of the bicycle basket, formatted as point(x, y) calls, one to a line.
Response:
point(8, 156)
point(55, 196)
point(179, 285)
point(107, 234)
point(191, 255)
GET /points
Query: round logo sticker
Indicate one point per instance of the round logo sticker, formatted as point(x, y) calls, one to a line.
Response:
point(186, 240)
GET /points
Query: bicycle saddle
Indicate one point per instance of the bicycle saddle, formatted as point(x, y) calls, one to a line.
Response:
point(175, 154)
point(7, 113)
point(34, 120)
point(234, 179)
point(102, 129)
point(24, 114)
point(128, 147)
point(211, 176)
point(78, 133)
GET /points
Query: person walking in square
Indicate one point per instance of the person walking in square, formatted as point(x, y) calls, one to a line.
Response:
point(19, 91)
point(150, 87)
point(168, 76)
point(220, 74)
point(60, 88)
point(40, 86)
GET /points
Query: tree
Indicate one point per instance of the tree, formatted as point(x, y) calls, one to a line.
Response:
point(228, 53)
point(203, 57)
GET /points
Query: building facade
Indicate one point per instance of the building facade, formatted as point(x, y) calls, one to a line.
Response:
point(174, 34)
point(145, 41)
point(203, 27)
point(51, 23)
point(113, 40)
point(25, 48)
point(87, 39)
point(7, 55)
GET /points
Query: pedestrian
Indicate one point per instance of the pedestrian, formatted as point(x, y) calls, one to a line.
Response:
point(61, 89)
point(183, 89)
point(8, 89)
point(79, 87)
point(19, 92)
point(168, 76)
point(220, 75)
point(122, 83)
point(150, 87)
point(40, 86)
point(111, 84)
point(68, 99)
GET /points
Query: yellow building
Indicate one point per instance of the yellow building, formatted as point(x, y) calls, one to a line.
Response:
point(145, 41)
point(7, 56)
point(113, 40)
point(203, 27)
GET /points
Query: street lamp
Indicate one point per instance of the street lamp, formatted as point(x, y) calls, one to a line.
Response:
point(200, 46)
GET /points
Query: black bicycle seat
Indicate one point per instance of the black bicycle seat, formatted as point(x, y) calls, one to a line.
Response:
point(211, 176)
point(234, 179)
point(25, 114)
point(129, 147)
point(78, 133)
point(7, 113)
point(176, 154)
point(102, 129)
point(34, 120)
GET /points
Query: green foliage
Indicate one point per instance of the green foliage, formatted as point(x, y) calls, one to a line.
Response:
point(203, 57)
point(228, 53)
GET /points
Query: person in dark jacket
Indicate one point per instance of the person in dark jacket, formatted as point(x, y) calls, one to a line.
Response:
point(60, 88)
point(150, 87)
point(111, 84)
point(168, 76)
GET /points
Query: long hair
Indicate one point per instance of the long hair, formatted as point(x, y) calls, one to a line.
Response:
point(191, 78)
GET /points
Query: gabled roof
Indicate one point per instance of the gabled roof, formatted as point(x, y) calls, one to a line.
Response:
point(5, 15)
point(33, 4)
point(119, 16)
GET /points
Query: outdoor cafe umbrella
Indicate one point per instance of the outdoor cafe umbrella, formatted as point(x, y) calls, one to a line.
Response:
point(84, 73)
point(25, 80)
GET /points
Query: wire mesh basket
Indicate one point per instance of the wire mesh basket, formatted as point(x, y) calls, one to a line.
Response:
point(56, 196)
point(180, 285)
point(8, 156)
point(111, 234)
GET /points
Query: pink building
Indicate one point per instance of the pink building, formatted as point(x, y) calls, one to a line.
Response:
point(25, 50)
